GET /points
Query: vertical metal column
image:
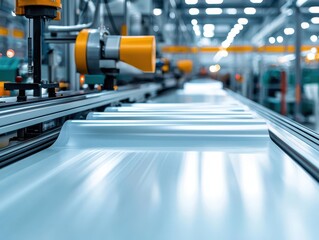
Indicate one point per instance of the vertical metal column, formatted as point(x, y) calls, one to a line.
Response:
point(68, 12)
point(298, 73)
point(126, 16)
point(37, 53)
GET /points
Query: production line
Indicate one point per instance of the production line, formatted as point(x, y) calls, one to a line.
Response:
point(107, 133)
point(199, 173)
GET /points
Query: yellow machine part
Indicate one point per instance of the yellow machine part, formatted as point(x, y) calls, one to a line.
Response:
point(3, 92)
point(17, 33)
point(80, 51)
point(4, 31)
point(124, 30)
point(166, 67)
point(44, 3)
point(186, 66)
point(21, 4)
point(139, 52)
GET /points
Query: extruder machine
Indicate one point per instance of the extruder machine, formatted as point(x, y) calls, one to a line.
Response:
point(199, 162)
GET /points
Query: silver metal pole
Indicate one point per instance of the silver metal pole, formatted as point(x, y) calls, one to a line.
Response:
point(298, 71)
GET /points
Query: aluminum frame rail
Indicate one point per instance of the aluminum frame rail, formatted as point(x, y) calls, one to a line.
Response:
point(12, 119)
point(298, 141)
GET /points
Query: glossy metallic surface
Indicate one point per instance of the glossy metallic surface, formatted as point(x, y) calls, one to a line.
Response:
point(141, 179)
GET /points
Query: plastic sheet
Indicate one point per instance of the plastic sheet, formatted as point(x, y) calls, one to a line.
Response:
point(177, 175)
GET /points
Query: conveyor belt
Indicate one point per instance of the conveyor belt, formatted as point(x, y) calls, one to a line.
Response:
point(218, 177)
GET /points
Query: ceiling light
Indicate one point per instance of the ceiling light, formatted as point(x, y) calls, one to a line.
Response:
point(305, 25)
point(194, 22)
point(208, 34)
point(238, 26)
point(224, 53)
point(196, 28)
point(272, 40)
point(191, 2)
point(314, 9)
point(231, 35)
point(193, 11)
point(235, 31)
point(315, 20)
point(280, 39)
point(289, 31)
point(225, 44)
point(214, 1)
point(314, 38)
point(209, 27)
point(243, 21)
point(231, 11)
point(214, 68)
point(197, 33)
point(256, 1)
point(250, 11)
point(311, 56)
point(157, 11)
point(214, 11)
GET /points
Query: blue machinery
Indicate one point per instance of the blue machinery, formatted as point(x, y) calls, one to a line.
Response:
point(197, 163)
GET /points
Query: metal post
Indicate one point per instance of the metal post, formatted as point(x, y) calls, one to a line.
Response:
point(298, 71)
point(69, 10)
point(37, 53)
point(126, 16)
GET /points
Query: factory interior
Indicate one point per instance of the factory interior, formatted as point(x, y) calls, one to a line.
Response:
point(159, 119)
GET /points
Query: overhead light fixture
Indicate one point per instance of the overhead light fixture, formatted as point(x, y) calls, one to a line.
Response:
point(225, 44)
point(314, 38)
point(250, 11)
point(314, 9)
point(231, 11)
point(231, 35)
point(214, 1)
point(191, 2)
point(243, 21)
point(289, 31)
point(311, 56)
point(197, 33)
point(238, 26)
point(235, 31)
point(209, 27)
point(256, 1)
point(214, 68)
point(305, 25)
point(193, 11)
point(196, 28)
point(194, 22)
point(208, 34)
point(214, 11)
point(157, 11)
point(272, 40)
point(315, 20)
point(280, 39)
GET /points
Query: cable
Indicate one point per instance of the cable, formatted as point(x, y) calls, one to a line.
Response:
point(110, 16)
